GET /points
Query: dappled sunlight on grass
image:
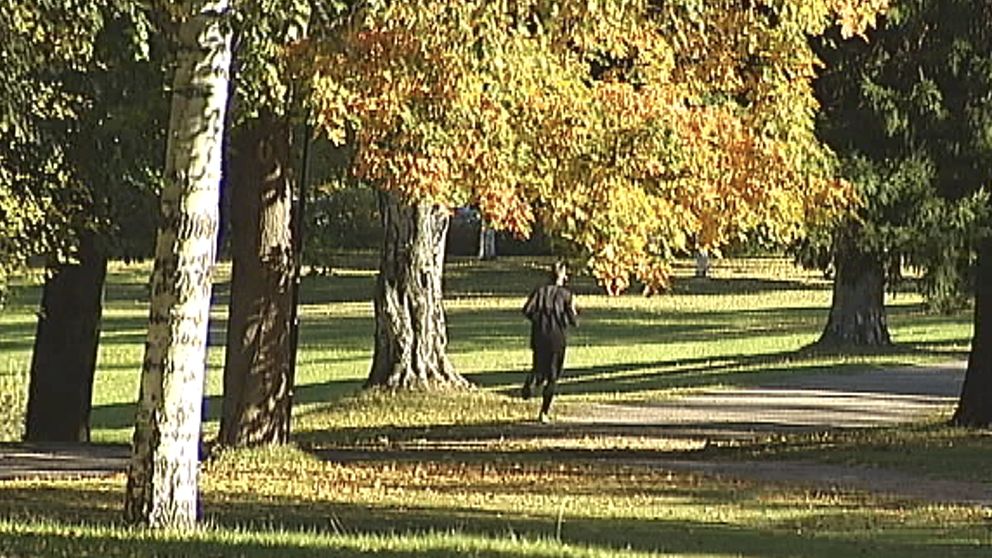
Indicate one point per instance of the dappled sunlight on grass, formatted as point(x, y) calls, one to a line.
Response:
point(751, 319)
point(473, 473)
point(283, 492)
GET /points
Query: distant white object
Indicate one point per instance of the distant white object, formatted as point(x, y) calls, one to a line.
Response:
point(702, 263)
point(487, 242)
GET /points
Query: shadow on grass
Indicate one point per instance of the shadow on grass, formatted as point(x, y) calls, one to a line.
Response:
point(121, 415)
point(453, 530)
point(739, 370)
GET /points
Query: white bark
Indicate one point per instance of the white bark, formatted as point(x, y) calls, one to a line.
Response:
point(162, 486)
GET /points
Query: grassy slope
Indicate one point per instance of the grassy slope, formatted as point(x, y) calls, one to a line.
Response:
point(516, 497)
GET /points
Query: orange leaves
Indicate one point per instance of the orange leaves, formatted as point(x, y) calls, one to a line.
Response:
point(506, 210)
point(635, 134)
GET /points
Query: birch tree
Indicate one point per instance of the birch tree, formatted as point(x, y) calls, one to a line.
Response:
point(162, 488)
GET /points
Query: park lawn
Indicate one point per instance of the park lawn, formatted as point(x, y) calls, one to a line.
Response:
point(749, 322)
point(286, 501)
point(487, 480)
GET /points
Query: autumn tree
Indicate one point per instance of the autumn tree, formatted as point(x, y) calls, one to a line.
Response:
point(162, 487)
point(262, 182)
point(625, 127)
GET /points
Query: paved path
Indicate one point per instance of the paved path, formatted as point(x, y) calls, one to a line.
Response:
point(813, 402)
point(61, 460)
point(809, 402)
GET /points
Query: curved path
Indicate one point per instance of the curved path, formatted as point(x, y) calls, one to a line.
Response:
point(807, 402)
point(811, 403)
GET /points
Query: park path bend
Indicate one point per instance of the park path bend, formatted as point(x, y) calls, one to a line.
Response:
point(816, 402)
point(811, 402)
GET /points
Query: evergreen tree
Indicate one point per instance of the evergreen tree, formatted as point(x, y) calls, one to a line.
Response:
point(877, 95)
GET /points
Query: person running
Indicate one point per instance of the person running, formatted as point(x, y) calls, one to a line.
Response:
point(551, 310)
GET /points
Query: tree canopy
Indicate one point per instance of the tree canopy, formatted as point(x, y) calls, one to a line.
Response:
point(64, 108)
point(886, 111)
point(634, 129)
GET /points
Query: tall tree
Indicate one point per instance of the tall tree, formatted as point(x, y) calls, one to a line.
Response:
point(162, 488)
point(921, 89)
point(974, 407)
point(64, 358)
point(108, 147)
point(873, 96)
point(263, 183)
point(626, 127)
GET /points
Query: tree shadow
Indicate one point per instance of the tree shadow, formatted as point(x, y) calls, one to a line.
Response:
point(820, 534)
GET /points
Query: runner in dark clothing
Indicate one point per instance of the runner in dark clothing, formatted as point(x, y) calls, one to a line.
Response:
point(551, 310)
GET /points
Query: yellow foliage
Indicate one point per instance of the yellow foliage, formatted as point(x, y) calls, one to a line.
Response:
point(635, 131)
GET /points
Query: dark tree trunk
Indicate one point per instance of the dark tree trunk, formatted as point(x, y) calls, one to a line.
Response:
point(410, 330)
point(857, 312)
point(257, 370)
point(975, 405)
point(65, 348)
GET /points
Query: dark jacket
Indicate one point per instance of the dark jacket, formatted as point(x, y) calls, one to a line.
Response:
point(551, 312)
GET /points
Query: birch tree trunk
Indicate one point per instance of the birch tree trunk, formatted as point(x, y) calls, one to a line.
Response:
point(411, 337)
point(257, 382)
point(162, 489)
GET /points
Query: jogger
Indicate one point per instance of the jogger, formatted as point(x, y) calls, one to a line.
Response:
point(551, 310)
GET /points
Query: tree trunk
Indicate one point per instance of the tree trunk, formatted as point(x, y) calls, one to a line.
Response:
point(702, 263)
point(162, 488)
point(410, 331)
point(257, 383)
point(857, 313)
point(65, 347)
point(975, 405)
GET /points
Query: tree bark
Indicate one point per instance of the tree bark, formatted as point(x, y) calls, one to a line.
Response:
point(162, 488)
point(975, 405)
point(857, 312)
point(257, 369)
point(410, 329)
point(65, 348)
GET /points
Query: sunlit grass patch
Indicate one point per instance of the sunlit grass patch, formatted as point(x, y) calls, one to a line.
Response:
point(931, 449)
point(70, 540)
point(287, 501)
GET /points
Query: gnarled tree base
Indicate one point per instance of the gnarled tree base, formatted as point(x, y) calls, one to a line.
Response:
point(857, 312)
point(411, 335)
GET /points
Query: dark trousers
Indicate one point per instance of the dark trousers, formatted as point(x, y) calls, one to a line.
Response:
point(547, 368)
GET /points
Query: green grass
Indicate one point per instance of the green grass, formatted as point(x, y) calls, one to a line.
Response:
point(257, 503)
point(749, 322)
point(471, 474)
